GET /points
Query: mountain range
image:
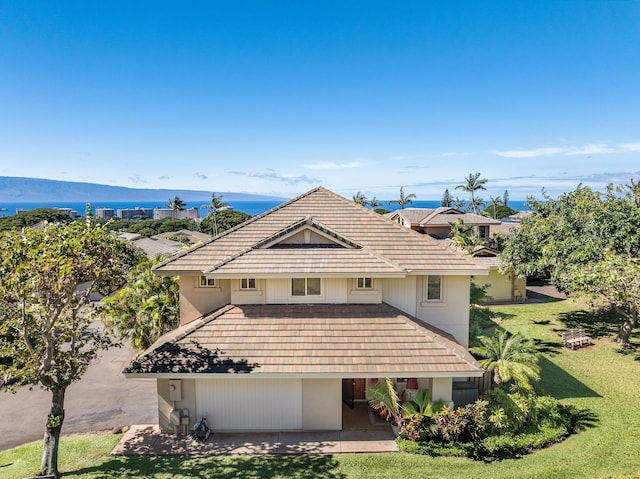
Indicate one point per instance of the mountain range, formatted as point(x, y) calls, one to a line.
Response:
point(15, 189)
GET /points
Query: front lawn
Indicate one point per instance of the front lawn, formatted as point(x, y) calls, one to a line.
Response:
point(602, 381)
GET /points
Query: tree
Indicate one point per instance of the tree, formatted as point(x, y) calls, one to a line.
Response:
point(509, 357)
point(495, 203)
point(473, 183)
point(463, 236)
point(176, 204)
point(48, 277)
point(447, 199)
point(577, 237)
point(216, 205)
point(460, 204)
point(360, 199)
point(144, 309)
point(404, 200)
point(225, 220)
point(505, 198)
point(32, 217)
point(632, 190)
point(374, 203)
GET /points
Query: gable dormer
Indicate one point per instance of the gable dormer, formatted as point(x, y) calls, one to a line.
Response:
point(307, 233)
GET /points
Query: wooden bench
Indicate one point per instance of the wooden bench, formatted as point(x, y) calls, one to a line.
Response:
point(575, 338)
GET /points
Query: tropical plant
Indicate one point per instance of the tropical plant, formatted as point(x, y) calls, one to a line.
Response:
point(464, 236)
point(404, 200)
point(374, 202)
point(421, 404)
point(383, 397)
point(473, 183)
point(214, 207)
point(495, 203)
point(360, 199)
point(176, 204)
point(48, 278)
point(509, 357)
point(143, 310)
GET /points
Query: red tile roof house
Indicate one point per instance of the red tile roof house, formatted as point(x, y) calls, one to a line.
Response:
point(277, 313)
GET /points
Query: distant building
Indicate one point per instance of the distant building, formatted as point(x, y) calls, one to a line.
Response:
point(105, 213)
point(69, 211)
point(162, 213)
point(136, 214)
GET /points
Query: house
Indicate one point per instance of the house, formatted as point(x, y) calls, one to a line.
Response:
point(289, 314)
point(436, 222)
point(500, 286)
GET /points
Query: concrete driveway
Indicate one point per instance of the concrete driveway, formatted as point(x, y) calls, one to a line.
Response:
point(102, 400)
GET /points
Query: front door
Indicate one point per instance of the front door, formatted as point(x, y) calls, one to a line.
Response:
point(348, 387)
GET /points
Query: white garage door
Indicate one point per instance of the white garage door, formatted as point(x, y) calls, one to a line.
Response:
point(250, 404)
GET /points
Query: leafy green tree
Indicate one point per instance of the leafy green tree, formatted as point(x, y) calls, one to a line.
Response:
point(32, 217)
point(509, 357)
point(473, 184)
point(632, 190)
point(360, 199)
point(225, 220)
point(143, 310)
point(577, 238)
point(404, 200)
point(48, 277)
point(495, 203)
point(463, 236)
point(501, 211)
point(447, 199)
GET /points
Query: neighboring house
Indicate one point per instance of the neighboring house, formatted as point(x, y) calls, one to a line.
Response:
point(436, 222)
point(500, 287)
point(289, 314)
point(185, 236)
point(152, 246)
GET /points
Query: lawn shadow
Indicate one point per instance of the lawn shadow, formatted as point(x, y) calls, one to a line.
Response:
point(560, 384)
point(583, 419)
point(255, 467)
point(547, 347)
point(597, 324)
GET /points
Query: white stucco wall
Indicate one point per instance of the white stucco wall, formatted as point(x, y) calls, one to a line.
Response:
point(400, 293)
point(334, 290)
point(322, 404)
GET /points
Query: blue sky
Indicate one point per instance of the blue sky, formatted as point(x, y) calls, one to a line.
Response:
point(278, 97)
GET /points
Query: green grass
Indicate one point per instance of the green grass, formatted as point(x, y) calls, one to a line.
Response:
point(601, 381)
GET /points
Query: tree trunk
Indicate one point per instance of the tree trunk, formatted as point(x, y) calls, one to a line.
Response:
point(49, 464)
point(629, 323)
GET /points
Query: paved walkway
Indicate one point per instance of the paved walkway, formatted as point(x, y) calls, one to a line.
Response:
point(147, 440)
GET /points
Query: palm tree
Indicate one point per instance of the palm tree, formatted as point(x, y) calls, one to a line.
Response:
point(460, 204)
point(360, 199)
point(495, 202)
point(463, 235)
point(403, 200)
point(374, 203)
point(473, 183)
point(176, 204)
point(509, 357)
point(216, 205)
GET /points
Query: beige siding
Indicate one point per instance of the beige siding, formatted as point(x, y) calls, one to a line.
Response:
point(250, 404)
point(442, 389)
point(334, 290)
point(452, 314)
point(166, 405)
point(196, 301)
point(400, 293)
point(501, 287)
point(364, 296)
point(246, 296)
point(321, 404)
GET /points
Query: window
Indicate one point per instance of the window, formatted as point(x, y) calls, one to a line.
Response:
point(305, 287)
point(206, 282)
point(248, 283)
point(364, 283)
point(434, 288)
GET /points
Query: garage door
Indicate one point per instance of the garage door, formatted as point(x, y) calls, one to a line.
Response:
point(250, 404)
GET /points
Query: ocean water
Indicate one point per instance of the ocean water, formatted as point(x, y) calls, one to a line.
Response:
point(250, 207)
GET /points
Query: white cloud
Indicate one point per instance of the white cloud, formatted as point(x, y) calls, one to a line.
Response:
point(272, 174)
point(588, 149)
point(200, 175)
point(136, 178)
point(330, 165)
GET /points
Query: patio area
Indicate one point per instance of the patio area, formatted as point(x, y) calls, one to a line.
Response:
point(361, 433)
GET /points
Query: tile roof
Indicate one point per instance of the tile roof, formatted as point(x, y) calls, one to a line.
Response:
point(340, 340)
point(364, 229)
